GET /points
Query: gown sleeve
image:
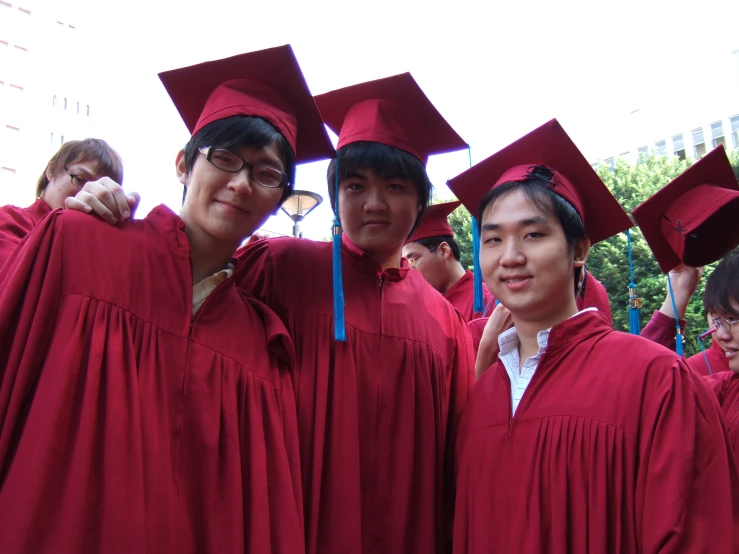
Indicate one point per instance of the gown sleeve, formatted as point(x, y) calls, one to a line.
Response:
point(687, 490)
point(661, 329)
point(30, 284)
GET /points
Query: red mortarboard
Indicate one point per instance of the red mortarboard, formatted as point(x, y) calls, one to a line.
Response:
point(574, 179)
point(693, 219)
point(434, 222)
point(393, 111)
point(267, 84)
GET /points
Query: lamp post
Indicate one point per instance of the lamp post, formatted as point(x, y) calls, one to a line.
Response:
point(299, 204)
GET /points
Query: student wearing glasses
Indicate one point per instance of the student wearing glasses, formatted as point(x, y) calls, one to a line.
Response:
point(76, 163)
point(146, 401)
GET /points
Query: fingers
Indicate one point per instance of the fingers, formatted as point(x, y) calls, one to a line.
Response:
point(71, 203)
point(106, 199)
point(134, 199)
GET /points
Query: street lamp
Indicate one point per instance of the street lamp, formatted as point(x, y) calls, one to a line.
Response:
point(299, 204)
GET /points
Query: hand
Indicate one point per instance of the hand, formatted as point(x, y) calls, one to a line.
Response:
point(684, 281)
point(106, 199)
point(487, 353)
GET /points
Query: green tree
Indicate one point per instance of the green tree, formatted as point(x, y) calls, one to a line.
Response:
point(609, 260)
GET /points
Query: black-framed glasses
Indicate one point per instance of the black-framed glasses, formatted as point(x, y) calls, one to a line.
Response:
point(77, 181)
point(724, 324)
point(414, 261)
point(227, 161)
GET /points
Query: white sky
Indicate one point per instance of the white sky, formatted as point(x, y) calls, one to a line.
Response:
point(494, 69)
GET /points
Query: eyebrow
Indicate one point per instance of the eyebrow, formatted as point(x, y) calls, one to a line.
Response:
point(355, 175)
point(538, 220)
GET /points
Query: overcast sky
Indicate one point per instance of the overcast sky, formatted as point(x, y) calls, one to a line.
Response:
point(494, 69)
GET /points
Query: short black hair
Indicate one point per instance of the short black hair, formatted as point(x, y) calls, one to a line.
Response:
point(435, 242)
point(547, 202)
point(384, 161)
point(238, 131)
point(722, 286)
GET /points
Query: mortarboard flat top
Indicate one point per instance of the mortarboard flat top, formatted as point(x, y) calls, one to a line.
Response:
point(393, 111)
point(574, 179)
point(434, 222)
point(267, 84)
point(693, 219)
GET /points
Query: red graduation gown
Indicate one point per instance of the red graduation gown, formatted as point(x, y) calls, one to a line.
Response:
point(616, 447)
point(593, 295)
point(127, 424)
point(661, 329)
point(377, 414)
point(716, 357)
point(461, 295)
point(16, 223)
point(726, 387)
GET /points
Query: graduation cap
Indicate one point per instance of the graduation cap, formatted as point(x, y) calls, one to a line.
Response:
point(434, 222)
point(395, 112)
point(693, 219)
point(267, 84)
point(573, 178)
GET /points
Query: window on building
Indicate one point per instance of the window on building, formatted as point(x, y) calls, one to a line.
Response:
point(88, 110)
point(699, 145)
point(61, 140)
point(51, 140)
point(24, 11)
point(642, 152)
point(735, 130)
point(65, 103)
point(678, 146)
point(717, 134)
point(12, 128)
point(5, 4)
point(78, 107)
point(72, 27)
point(7, 176)
point(17, 88)
point(660, 147)
point(611, 163)
point(624, 154)
point(20, 49)
point(53, 101)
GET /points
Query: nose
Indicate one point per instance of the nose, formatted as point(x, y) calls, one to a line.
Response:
point(512, 255)
point(242, 183)
point(723, 333)
point(375, 200)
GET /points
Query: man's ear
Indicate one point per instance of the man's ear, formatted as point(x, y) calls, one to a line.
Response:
point(582, 249)
point(181, 167)
point(446, 250)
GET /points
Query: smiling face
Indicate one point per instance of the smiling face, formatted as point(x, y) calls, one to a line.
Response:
point(228, 207)
point(378, 213)
point(727, 338)
point(526, 261)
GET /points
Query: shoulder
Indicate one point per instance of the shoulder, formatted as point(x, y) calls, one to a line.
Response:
point(284, 250)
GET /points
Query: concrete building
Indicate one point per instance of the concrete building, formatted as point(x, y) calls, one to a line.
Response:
point(43, 101)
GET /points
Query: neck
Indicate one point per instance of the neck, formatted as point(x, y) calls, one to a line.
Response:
point(207, 254)
point(456, 272)
point(528, 329)
point(387, 260)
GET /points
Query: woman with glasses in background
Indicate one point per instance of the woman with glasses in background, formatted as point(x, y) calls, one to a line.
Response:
point(76, 163)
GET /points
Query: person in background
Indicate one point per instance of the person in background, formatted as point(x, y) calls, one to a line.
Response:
point(74, 164)
point(146, 401)
point(580, 438)
point(433, 251)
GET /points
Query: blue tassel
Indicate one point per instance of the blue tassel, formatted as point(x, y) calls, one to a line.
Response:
point(339, 328)
point(634, 302)
point(705, 358)
point(678, 333)
point(478, 306)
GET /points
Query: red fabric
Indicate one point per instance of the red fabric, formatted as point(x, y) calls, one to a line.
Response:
point(16, 223)
point(267, 84)
point(616, 447)
point(574, 178)
point(692, 219)
point(434, 222)
point(726, 387)
point(461, 295)
point(377, 413)
point(716, 357)
point(661, 329)
point(127, 424)
point(594, 295)
point(393, 111)
point(477, 327)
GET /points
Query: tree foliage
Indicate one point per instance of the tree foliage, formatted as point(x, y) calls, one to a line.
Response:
point(609, 259)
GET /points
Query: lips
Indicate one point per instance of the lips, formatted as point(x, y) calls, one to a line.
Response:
point(375, 222)
point(516, 282)
point(233, 206)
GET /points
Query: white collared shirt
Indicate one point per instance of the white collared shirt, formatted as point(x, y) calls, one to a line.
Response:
point(509, 356)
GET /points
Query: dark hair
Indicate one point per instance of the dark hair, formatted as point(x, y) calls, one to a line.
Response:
point(546, 202)
point(78, 151)
point(722, 285)
point(384, 161)
point(435, 242)
point(238, 131)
